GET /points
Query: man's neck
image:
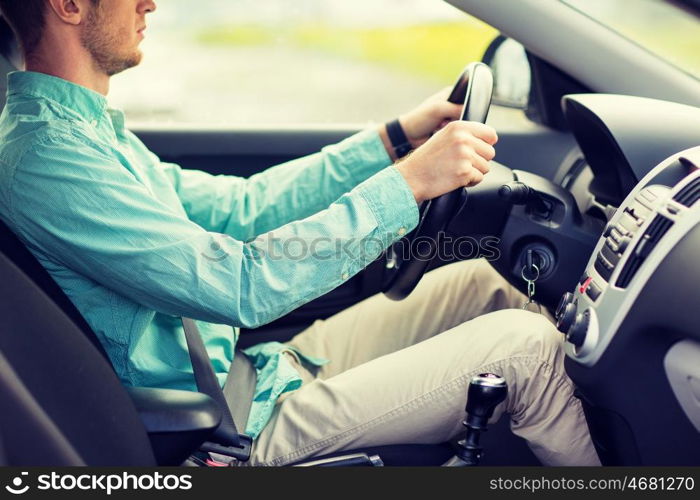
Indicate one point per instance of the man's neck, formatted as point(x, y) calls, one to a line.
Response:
point(73, 64)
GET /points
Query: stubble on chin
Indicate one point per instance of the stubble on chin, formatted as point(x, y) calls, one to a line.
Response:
point(106, 48)
point(119, 64)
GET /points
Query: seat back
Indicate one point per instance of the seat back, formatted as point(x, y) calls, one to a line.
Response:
point(62, 402)
point(17, 253)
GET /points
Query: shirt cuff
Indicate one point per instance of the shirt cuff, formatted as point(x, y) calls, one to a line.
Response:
point(391, 200)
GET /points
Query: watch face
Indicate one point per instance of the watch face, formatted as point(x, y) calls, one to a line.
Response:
point(403, 150)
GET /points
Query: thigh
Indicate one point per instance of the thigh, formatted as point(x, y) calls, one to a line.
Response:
point(445, 298)
point(418, 394)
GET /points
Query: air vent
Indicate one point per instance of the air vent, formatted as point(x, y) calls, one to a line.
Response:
point(657, 229)
point(689, 194)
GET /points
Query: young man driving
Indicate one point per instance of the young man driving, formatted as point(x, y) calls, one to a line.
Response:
point(130, 240)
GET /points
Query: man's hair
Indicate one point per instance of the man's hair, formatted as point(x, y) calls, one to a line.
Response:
point(27, 19)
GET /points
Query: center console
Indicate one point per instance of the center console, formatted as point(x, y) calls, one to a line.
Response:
point(632, 324)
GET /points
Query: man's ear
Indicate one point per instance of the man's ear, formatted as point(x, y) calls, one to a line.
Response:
point(69, 11)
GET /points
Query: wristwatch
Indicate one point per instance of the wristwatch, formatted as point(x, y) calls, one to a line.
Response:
point(402, 146)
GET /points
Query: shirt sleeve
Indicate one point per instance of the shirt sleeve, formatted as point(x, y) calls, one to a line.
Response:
point(85, 210)
point(245, 208)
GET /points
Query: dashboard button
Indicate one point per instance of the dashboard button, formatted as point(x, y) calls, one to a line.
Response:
point(623, 244)
point(603, 267)
point(612, 245)
point(606, 263)
point(620, 232)
point(628, 223)
point(616, 235)
point(610, 255)
point(593, 291)
point(584, 285)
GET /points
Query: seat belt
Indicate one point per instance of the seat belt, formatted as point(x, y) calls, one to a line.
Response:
point(228, 440)
point(239, 388)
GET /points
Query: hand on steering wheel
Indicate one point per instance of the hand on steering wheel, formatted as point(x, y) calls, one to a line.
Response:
point(474, 88)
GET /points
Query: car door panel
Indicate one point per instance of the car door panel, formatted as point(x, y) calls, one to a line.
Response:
point(238, 151)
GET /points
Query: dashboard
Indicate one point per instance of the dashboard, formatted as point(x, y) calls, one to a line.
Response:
point(656, 215)
point(631, 323)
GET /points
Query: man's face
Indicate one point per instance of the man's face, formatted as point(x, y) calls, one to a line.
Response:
point(113, 31)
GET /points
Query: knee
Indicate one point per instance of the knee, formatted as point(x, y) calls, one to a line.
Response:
point(527, 351)
point(526, 333)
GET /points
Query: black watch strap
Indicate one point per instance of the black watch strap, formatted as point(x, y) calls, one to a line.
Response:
point(402, 146)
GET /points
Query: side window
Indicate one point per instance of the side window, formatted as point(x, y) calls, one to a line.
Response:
point(282, 62)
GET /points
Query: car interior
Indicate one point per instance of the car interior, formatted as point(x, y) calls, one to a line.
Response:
point(597, 188)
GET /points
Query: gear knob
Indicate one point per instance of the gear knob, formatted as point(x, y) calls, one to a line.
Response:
point(486, 391)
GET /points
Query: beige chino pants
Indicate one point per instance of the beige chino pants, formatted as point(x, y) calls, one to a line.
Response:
point(399, 373)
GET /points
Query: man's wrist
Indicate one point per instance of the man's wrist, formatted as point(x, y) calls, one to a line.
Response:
point(413, 183)
point(384, 136)
point(398, 139)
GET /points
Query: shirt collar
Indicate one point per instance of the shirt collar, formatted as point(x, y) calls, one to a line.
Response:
point(118, 122)
point(87, 103)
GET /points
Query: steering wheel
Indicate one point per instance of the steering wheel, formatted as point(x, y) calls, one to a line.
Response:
point(407, 259)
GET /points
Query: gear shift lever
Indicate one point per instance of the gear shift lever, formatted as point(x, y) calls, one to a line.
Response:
point(486, 391)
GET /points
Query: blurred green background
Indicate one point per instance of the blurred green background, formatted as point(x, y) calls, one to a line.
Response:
point(424, 50)
point(427, 50)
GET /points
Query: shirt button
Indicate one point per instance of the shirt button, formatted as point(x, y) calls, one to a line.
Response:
point(93, 123)
point(401, 231)
point(345, 276)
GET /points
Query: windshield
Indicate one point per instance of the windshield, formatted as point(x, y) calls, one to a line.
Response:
point(664, 29)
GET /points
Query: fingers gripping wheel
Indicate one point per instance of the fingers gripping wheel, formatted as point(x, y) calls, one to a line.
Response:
point(408, 259)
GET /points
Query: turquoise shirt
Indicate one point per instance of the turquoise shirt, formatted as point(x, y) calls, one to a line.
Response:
point(137, 243)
